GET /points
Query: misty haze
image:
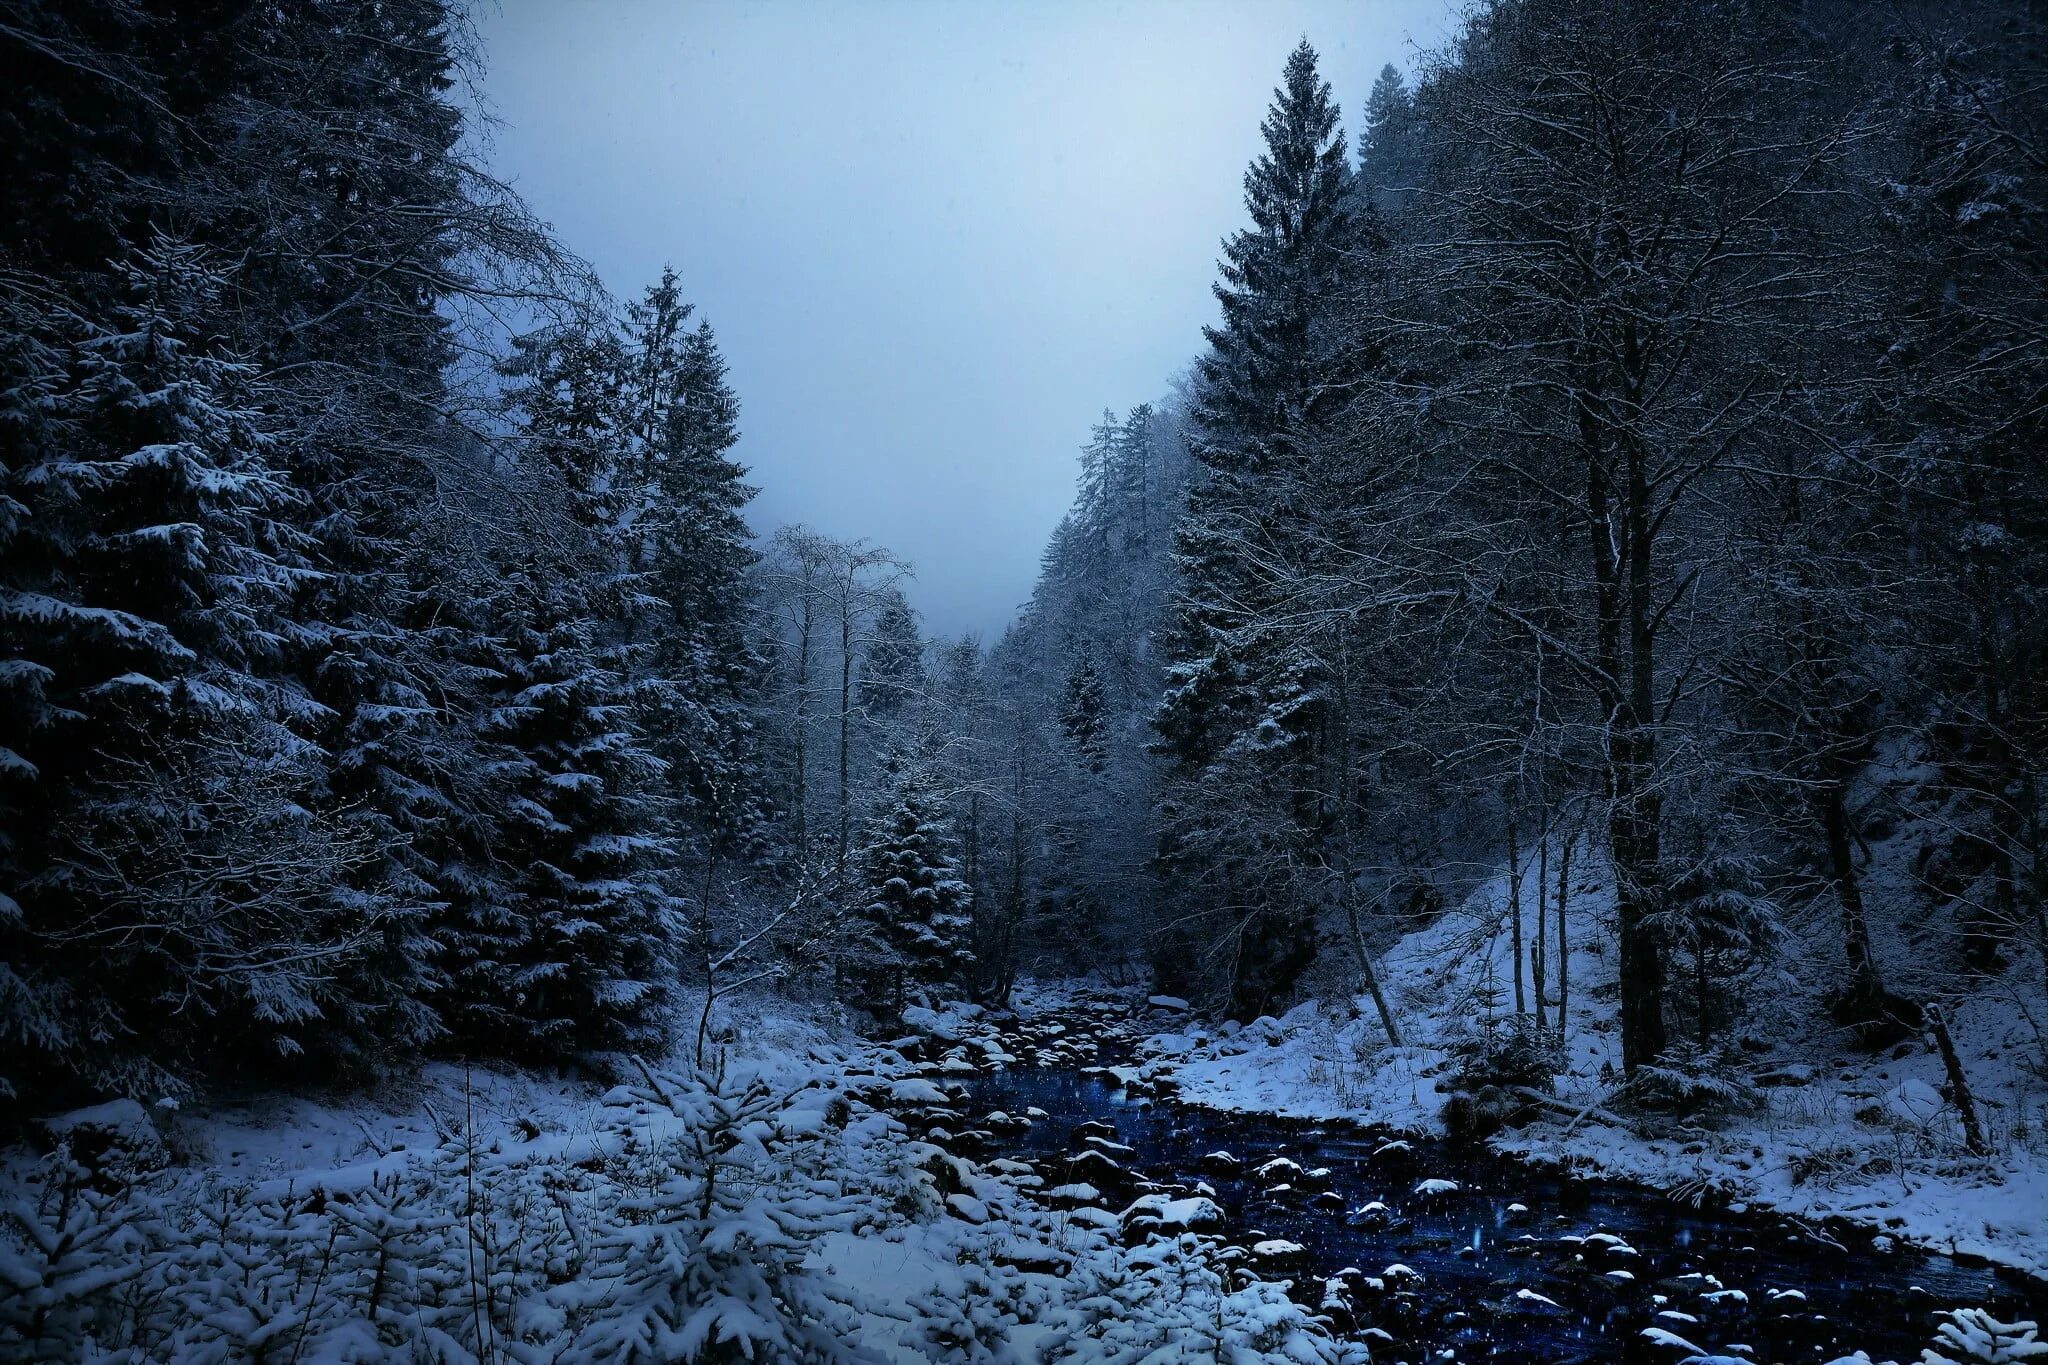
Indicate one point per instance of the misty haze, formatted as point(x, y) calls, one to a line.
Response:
point(1032, 682)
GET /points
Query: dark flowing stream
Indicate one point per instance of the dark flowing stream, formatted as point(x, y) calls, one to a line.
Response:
point(1578, 1276)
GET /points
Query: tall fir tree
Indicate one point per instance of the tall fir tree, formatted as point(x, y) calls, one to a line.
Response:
point(690, 546)
point(1241, 693)
point(151, 558)
point(892, 675)
point(584, 962)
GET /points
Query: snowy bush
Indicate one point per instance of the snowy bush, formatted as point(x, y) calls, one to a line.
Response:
point(1972, 1336)
point(968, 1321)
point(711, 1258)
point(1172, 1300)
point(686, 1238)
point(1688, 1082)
point(1516, 1051)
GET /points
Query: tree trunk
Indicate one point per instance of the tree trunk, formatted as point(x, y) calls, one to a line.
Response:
point(1515, 914)
point(1536, 943)
point(1864, 981)
point(1636, 823)
point(1624, 649)
point(1564, 960)
point(803, 728)
point(1347, 798)
point(1984, 929)
point(1372, 978)
point(1700, 992)
point(845, 725)
point(1958, 1083)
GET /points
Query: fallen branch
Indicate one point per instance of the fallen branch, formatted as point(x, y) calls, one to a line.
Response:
point(1557, 1106)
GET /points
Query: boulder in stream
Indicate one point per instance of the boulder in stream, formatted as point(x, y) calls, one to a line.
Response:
point(1164, 1215)
point(1279, 1170)
point(1373, 1215)
point(1279, 1254)
point(1091, 1167)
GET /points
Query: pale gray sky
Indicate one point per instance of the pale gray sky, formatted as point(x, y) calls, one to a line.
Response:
point(935, 240)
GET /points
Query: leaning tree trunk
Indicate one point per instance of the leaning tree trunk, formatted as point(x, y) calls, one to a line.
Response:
point(1958, 1082)
point(1347, 835)
point(1372, 978)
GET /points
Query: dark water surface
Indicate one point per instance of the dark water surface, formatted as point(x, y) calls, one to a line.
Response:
point(1473, 1253)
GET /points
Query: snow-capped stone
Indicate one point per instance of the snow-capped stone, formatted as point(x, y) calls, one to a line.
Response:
point(1164, 1213)
point(1279, 1253)
point(1279, 1169)
point(1373, 1215)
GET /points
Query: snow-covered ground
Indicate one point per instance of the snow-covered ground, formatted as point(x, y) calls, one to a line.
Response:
point(483, 1215)
point(1841, 1132)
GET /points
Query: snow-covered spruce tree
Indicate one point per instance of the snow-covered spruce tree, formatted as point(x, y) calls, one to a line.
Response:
point(550, 614)
point(1718, 922)
point(913, 922)
point(969, 1321)
point(335, 168)
point(1389, 150)
point(151, 561)
point(63, 1245)
point(892, 675)
point(1972, 1336)
point(1961, 375)
point(1242, 694)
point(588, 920)
point(1170, 1299)
point(711, 1260)
point(1081, 716)
point(688, 543)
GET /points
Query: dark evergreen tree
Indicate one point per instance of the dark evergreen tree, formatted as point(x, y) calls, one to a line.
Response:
point(1719, 923)
point(915, 922)
point(584, 963)
point(1960, 382)
point(302, 158)
point(892, 674)
point(150, 561)
point(1390, 154)
point(1241, 697)
point(364, 229)
point(690, 546)
point(1081, 716)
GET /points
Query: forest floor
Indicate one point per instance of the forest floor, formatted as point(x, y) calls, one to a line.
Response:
point(908, 1220)
point(949, 1243)
point(1839, 1133)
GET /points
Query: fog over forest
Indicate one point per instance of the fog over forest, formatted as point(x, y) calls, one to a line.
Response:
point(1507, 824)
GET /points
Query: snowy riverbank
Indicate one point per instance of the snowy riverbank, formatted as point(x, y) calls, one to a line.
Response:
point(779, 1204)
point(1839, 1133)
